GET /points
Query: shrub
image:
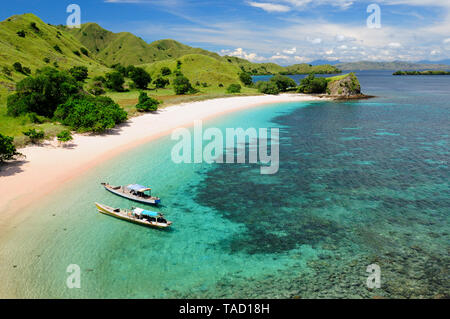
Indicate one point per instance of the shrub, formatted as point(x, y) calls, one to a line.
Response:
point(87, 113)
point(234, 88)
point(147, 103)
point(42, 93)
point(57, 48)
point(267, 88)
point(181, 85)
point(77, 53)
point(283, 82)
point(6, 70)
point(26, 70)
point(140, 78)
point(47, 60)
point(64, 136)
point(34, 135)
point(220, 85)
point(96, 88)
point(161, 82)
point(165, 71)
point(179, 65)
point(18, 67)
point(7, 149)
point(246, 78)
point(79, 73)
point(84, 51)
point(36, 119)
point(34, 27)
point(21, 33)
point(311, 84)
point(115, 81)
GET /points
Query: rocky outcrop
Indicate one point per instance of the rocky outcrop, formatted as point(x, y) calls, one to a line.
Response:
point(344, 86)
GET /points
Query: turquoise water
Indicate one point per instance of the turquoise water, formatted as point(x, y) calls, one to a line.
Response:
point(360, 182)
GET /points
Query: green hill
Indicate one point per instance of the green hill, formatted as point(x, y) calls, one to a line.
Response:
point(126, 48)
point(199, 68)
point(307, 68)
point(38, 45)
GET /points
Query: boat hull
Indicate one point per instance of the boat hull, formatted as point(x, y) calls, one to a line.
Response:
point(106, 210)
point(133, 198)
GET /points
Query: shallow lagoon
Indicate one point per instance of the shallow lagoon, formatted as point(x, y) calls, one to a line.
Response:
point(360, 182)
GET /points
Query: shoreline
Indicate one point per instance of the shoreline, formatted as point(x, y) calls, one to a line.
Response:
point(48, 166)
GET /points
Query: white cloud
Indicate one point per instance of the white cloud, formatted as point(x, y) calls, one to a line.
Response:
point(240, 53)
point(395, 45)
point(446, 40)
point(279, 57)
point(290, 51)
point(343, 47)
point(314, 41)
point(302, 59)
point(270, 7)
point(435, 52)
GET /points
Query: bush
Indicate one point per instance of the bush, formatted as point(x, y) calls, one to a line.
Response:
point(283, 82)
point(115, 81)
point(77, 53)
point(181, 85)
point(234, 88)
point(165, 71)
point(96, 88)
point(161, 82)
point(26, 70)
point(140, 78)
point(311, 84)
point(36, 119)
point(246, 78)
point(147, 103)
point(267, 88)
point(84, 51)
point(34, 135)
point(34, 27)
point(7, 149)
point(42, 93)
point(79, 73)
point(64, 136)
point(87, 113)
point(21, 33)
point(18, 67)
point(57, 48)
point(6, 70)
point(47, 60)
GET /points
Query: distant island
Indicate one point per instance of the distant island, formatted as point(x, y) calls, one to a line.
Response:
point(428, 72)
point(389, 66)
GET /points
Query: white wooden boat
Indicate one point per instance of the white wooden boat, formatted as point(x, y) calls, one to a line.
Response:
point(136, 215)
point(135, 192)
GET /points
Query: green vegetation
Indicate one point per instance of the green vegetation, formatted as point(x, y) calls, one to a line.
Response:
point(85, 113)
point(234, 88)
point(115, 81)
point(246, 78)
point(42, 93)
point(80, 73)
point(165, 71)
point(147, 103)
point(65, 136)
point(267, 87)
point(34, 136)
point(7, 149)
point(283, 83)
point(311, 84)
point(428, 72)
point(181, 85)
point(396, 65)
point(140, 78)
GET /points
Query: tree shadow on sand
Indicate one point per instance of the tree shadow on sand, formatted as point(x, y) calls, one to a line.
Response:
point(12, 168)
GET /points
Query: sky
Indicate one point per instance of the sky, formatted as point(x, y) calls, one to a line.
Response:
point(280, 31)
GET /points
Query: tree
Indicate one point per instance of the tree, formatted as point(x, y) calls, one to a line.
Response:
point(7, 149)
point(18, 67)
point(42, 93)
point(34, 135)
point(115, 81)
point(181, 85)
point(21, 33)
point(311, 84)
point(80, 73)
point(161, 82)
point(88, 113)
point(147, 103)
point(165, 71)
point(96, 88)
point(57, 48)
point(64, 136)
point(267, 87)
point(84, 51)
point(246, 78)
point(234, 88)
point(140, 78)
point(283, 82)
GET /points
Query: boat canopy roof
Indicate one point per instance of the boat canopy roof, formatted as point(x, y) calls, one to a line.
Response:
point(138, 188)
point(142, 212)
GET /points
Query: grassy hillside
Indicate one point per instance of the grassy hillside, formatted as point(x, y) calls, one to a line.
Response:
point(126, 48)
point(199, 68)
point(307, 68)
point(396, 65)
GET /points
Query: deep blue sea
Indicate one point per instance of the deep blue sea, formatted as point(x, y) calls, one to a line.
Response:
point(360, 183)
